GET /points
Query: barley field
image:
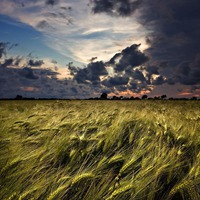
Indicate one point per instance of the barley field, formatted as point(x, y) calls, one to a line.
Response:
point(100, 150)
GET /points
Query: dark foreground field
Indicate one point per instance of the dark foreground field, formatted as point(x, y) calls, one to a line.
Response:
point(100, 150)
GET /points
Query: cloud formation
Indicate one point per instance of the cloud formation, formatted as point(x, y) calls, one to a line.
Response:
point(174, 41)
point(132, 45)
point(91, 73)
point(3, 46)
point(71, 28)
point(39, 82)
point(51, 2)
point(27, 73)
point(35, 63)
point(116, 7)
point(7, 62)
point(42, 79)
point(129, 57)
point(122, 73)
point(116, 81)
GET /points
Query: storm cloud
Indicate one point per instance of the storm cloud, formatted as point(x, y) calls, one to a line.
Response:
point(175, 38)
point(28, 73)
point(188, 73)
point(116, 81)
point(37, 82)
point(135, 45)
point(91, 74)
point(129, 57)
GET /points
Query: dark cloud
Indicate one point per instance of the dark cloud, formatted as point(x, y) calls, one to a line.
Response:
point(90, 74)
point(127, 68)
point(158, 80)
point(174, 39)
point(138, 75)
point(174, 42)
point(152, 70)
point(66, 8)
point(186, 73)
point(170, 81)
point(138, 87)
point(116, 7)
point(116, 81)
point(133, 85)
point(17, 60)
point(43, 24)
point(51, 2)
point(73, 70)
point(183, 69)
point(192, 78)
point(74, 90)
point(93, 59)
point(37, 82)
point(46, 72)
point(35, 63)
point(28, 73)
point(3, 47)
point(7, 62)
point(129, 57)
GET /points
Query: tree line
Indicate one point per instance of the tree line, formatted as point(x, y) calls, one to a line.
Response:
point(104, 96)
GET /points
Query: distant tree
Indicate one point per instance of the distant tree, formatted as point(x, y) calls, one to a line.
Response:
point(194, 98)
point(164, 96)
point(137, 98)
point(144, 96)
point(28, 98)
point(104, 96)
point(18, 97)
point(156, 97)
point(114, 98)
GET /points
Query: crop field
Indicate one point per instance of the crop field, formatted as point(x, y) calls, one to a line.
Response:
point(100, 150)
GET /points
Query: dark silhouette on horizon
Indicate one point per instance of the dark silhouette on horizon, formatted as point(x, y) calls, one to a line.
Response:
point(144, 96)
point(104, 96)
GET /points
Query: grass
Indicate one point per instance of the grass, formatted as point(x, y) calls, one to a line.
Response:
point(96, 150)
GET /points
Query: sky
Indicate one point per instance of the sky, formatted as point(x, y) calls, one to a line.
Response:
point(82, 48)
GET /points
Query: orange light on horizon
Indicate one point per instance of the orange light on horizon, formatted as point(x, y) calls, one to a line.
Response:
point(129, 93)
point(29, 89)
point(188, 94)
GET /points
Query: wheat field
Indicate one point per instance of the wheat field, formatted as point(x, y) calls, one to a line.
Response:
point(100, 150)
